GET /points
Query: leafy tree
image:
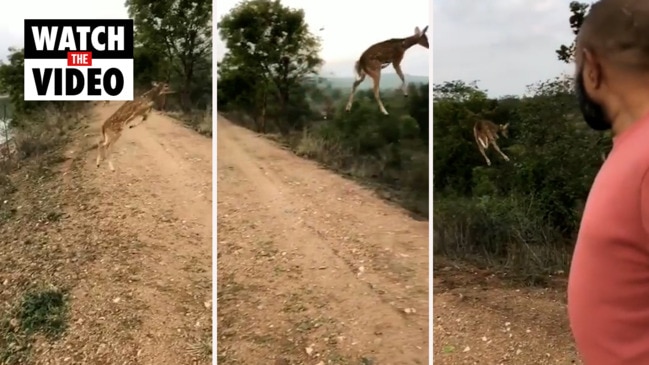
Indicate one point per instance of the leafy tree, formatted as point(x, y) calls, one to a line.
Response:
point(12, 84)
point(12, 80)
point(419, 107)
point(271, 53)
point(578, 12)
point(175, 37)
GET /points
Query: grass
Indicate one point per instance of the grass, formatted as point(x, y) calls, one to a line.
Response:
point(198, 120)
point(406, 185)
point(202, 348)
point(41, 311)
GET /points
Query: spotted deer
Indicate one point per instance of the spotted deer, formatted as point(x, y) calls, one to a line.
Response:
point(112, 128)
point(379, 56)
point(486, 133)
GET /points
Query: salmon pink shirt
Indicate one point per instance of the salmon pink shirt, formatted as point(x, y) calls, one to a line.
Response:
point(608, 289)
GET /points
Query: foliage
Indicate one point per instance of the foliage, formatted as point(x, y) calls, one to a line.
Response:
point(271, 53)
point(578, 12)
point(174, 43)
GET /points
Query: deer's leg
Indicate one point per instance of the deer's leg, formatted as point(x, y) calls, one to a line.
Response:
point(376, 77)
point(482, 152)
point(351, 96)
point(110, 143)
point(493, 143)
point(144, 117)
point(100, 149)
point(397, 68)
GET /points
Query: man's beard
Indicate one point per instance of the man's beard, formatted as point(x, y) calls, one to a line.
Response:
point(593, 113)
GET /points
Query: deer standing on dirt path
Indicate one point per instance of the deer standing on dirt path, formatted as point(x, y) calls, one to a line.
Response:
point(112, 128)
point(379, 56)
point(486, 133)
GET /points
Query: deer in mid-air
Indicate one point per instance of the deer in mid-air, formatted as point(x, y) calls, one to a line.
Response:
point(379, 56)
point(486, 133)
point(112, 128)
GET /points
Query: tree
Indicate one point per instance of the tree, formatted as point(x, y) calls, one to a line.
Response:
point(177, 35)
point(12, 79)
point(578, 13)
point(271, 47)
point(12, 82)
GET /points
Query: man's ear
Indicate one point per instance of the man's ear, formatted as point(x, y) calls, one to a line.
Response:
point(591, 68)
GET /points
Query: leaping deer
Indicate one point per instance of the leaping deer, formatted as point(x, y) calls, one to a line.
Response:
point(486, 133)
point(112, 128)
point(379, 56)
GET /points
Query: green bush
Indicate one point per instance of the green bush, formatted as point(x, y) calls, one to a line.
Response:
point(510, 233)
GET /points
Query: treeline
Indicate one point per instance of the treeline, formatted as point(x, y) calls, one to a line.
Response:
point(267, 81)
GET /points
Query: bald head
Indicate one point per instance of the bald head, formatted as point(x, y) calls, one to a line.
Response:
point(617, 31)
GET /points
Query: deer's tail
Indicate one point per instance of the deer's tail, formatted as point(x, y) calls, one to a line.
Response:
point(358, 70)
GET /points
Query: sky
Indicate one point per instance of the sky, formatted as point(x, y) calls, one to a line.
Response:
point(351, 26)
point(11, 17)
point(503, 44)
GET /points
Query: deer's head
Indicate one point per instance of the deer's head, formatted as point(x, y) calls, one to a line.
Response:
point(422, 38)
point(504, 130)
point(161, 88)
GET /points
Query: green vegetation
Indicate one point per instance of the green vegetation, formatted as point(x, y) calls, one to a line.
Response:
point(521, 216)
point(43, 312)
point(266, 82)
point(174, 44)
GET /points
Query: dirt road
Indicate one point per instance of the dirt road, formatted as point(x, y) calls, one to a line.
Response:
point(482, 320)
point(313, 268)
point(133, 247)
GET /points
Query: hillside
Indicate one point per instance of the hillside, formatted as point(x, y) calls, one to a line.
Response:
point(388, 81)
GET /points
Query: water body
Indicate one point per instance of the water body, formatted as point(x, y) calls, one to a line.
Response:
point(5, 118)
point(4, 130)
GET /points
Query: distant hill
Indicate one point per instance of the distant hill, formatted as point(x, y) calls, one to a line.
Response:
point(388, 81)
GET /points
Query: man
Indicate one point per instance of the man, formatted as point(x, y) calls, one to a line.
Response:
point(608, 290)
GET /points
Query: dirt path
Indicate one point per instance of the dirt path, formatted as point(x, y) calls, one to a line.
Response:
point(143, 287)
point(312, 268)
point(479, 320)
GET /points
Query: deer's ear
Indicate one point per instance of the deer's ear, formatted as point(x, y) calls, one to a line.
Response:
point(506, 126)
point(424, 31)
point(417, 31)
point(154, 84)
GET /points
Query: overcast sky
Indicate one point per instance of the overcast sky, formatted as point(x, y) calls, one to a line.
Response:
point(350, 26)
point(504, 44)
point(13, 14)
